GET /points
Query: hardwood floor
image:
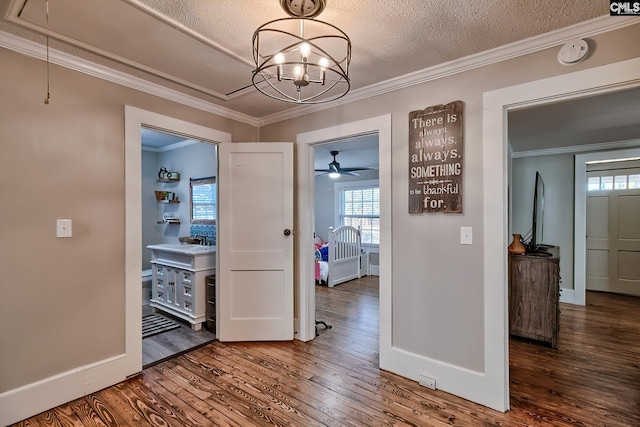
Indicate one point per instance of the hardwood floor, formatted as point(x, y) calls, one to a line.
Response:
point(592, 379)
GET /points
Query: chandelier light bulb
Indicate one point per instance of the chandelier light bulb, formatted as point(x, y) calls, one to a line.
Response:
point(305, 50)
point(279, 59)
point(309, 66)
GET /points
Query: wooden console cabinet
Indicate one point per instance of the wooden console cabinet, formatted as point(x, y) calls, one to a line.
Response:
point(534, 293)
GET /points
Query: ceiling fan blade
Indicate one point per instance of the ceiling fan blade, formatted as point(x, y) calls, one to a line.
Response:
point(356, 169)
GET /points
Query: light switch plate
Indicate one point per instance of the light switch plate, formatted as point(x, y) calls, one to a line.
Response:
point(466, 235)
point(63, 228)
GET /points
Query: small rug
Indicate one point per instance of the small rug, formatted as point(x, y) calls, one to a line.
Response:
point(153, 324)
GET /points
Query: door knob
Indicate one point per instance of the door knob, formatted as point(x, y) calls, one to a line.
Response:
point(287, 232)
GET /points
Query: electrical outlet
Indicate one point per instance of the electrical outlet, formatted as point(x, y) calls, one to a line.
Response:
point(63, 228)
point(427, 382)
point(466, 235)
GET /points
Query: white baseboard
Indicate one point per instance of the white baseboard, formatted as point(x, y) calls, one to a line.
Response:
point(567, 295)
point(374, 270)
point(468, 384)
point(31, 399)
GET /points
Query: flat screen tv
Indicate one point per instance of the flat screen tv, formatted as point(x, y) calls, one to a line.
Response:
point(537, 226)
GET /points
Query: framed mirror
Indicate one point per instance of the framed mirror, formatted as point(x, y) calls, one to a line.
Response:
point(203, 196)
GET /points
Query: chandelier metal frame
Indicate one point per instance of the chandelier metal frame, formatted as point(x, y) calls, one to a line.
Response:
point(305, 70)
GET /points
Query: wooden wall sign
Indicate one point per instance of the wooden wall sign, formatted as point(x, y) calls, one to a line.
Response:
point(435, 159)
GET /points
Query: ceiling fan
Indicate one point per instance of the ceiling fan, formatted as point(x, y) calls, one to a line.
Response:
point(335, 170)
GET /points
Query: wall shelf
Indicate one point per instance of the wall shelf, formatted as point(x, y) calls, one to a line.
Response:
point(168, 201)
point(173, 221)
point(168, 180)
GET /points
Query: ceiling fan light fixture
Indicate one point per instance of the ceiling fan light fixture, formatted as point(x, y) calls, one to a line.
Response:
point(301, 60)
point(335, 170)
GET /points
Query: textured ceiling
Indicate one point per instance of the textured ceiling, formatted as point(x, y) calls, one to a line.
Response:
point(204, 47)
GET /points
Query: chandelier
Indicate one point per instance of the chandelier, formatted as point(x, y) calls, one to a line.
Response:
point(299, 59)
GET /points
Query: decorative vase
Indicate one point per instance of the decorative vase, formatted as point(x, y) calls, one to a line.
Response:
point(516, 247)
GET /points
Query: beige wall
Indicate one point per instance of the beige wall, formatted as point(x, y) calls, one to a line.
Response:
point(62, 302)
point(437, 287)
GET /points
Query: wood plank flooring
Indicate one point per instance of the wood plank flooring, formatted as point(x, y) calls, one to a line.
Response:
point(592, 379)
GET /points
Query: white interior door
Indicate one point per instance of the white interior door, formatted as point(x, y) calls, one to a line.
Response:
point(598, 242)
point(613, 235)
point(255, 242)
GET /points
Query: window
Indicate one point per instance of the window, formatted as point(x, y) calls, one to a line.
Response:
point(617, 182)
point(593, 183)
point(203, 200)
point(358, 205)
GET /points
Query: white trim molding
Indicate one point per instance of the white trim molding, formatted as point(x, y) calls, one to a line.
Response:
point(496, 104)
point(305, 280)
point(567, 296)
point(177, 145)
point(26, 401)
point(580, 215)
point(524, 47)
point(534, 44)
point(37, 51)
point(574, 149)
point(135, 119)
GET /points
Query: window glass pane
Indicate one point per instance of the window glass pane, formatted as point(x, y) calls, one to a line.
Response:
point(620, 182)
point(203, 201)
point(361, 208)
point(593, 183)
point(634, 181)
point(606, 183)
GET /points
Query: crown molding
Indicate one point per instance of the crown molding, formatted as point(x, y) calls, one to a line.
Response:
point(170, 147)
point(534, 44)
point(574, 149)
point(38, 51)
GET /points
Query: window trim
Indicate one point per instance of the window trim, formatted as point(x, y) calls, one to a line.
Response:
point(338, 187)
point(201, 181)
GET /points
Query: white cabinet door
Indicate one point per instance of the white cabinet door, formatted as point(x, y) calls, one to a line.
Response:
point(159, 288)
point(255, 241)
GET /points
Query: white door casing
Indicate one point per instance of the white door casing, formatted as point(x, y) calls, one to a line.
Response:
point(496, 104)
point(580, 206)
point(305, 300)
point(255, 242)
point(613, 238)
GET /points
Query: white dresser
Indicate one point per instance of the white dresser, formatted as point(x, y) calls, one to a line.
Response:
point(178, 286)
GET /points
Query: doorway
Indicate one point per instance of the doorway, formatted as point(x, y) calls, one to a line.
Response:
point(135, 119)
point(186, 170)
point(346, 193)
point(612, 235)
point(597, 80)
point(305, 301)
